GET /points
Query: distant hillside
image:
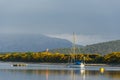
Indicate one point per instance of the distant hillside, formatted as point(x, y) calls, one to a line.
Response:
point(22, 43)
point(66, 50)
point(35, 43)
point(101, 48)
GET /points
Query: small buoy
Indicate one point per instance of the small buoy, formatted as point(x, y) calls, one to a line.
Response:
point(102, 70)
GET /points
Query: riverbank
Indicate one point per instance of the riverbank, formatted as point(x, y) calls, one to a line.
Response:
point(112, 65)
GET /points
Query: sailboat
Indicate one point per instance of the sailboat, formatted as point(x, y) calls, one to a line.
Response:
point(74, 62)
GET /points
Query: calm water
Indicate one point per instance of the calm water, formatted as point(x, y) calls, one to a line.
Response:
point(56, 72)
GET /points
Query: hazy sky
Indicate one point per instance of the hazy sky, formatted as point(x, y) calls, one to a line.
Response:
point(92, 20)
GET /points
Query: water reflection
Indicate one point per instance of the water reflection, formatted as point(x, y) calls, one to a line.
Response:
point(58, 75)
point(55, 72)
point(47, 74)
point(77, 74)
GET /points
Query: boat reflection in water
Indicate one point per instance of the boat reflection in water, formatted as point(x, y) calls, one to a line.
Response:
point(67, 74)
point(78, 74)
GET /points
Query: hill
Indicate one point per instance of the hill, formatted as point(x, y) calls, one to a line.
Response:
point(101, 48)
point(23, 43)
point(36, 43)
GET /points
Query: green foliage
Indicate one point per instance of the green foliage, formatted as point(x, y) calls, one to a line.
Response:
point(60, 58)
point(113, 58)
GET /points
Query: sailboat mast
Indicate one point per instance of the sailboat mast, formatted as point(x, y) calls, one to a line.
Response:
point(74, 47)
point(73, 43)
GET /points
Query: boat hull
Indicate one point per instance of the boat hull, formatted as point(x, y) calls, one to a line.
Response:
point(76, 66)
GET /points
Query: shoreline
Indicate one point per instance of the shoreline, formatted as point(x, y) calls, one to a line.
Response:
point(90, 64)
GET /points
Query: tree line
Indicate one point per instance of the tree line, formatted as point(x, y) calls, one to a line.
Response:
point(48, 57)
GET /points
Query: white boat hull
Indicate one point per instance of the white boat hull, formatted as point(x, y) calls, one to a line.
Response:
point(76, 66)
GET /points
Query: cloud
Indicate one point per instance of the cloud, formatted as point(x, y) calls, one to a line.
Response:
point(87, 17)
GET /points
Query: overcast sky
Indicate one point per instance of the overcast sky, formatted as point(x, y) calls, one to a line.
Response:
point(92, 20)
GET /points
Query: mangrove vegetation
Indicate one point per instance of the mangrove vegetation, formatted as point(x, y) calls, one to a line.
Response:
point(48, 57)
